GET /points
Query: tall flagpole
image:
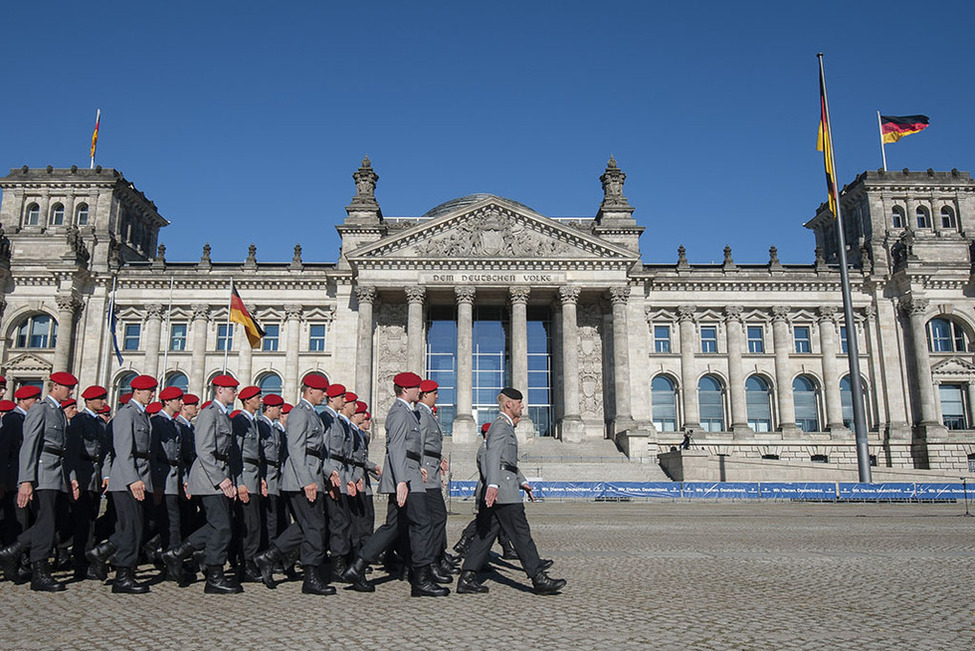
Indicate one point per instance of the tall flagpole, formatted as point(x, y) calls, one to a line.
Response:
point(169, 334)
point(227, 339)
point(107, 373)
point(880, 127)
point(94, 139)
point(859, 418)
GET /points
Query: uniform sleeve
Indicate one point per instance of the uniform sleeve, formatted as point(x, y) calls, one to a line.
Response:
point(492, 456)
point(73, 446)
point(334, 440)
point(30, 450)
point(123, 435)
point(396, 430)
point(297, 437)
point(206, 447)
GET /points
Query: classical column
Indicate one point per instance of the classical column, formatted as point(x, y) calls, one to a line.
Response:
point(831, 375)
point(154, 314)
point(688, 376)
point(623, 419)
point(519, 354)
point(734, 327)
point(916, 308)
point(68, 305)
point(414, 330)
point(201, 318)
point(366, 296)
point(782, 343)
point(464, 429)
point(245, 359)
point(573, 429)
point(292, 314)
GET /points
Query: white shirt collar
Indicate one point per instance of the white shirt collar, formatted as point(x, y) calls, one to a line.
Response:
point(408, 405)
point(183, 418)
point(91, 413)
point(423, 404)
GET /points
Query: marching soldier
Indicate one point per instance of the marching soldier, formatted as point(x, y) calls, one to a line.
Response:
point(167, 467)
point(85, 456)
point(190, 518)
point(272, 452)
point(335, 468)
point(16, 519)
point(363, 511)
point(402, 481)
point(248, 471)
point(44, 480)
point(435, 464)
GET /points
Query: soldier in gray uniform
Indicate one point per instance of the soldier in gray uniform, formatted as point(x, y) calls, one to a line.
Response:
point(248, 470)
point(16, 520)
point(362, 509)
point(502, 506)
point(272, 453)
point(189, 516)
point(85, 456)
point(403, 482)
point(435, 464)
point(211, 480)
point(44, 480)
point(167, 467)
point(336, 467)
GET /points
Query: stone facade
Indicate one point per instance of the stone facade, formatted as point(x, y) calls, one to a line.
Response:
point(74, 238)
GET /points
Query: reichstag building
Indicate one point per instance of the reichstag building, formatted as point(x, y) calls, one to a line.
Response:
point(482, 291)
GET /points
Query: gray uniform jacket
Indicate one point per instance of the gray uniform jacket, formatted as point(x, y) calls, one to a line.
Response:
point(338, 448)
point(305, 438)
point(42, 453)
point(131, 438)
point(167, 454)
point(404, 450)
point(11, 440)
point(86, 451)
point(432, 445)
point(272, 449)
point(248, 468)
point(363, 466)
point(501, 461)
point(479, 489)
point(214, 440)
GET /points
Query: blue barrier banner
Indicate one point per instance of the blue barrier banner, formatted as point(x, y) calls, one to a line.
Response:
point(724, 490)
point(667, 490)
point(886, 491)
point(798, 491)
point(462, 489)
point(567, 489)
point(939, 491)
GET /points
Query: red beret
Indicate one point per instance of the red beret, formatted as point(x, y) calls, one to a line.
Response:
point(190, 399)
point(7, 405)
point(351, 397)
point(287, 407)
point(485, 427)
point(105, 410)
point(170, 393)
point(225, 381)
point(64, 379)
point(433, 409)
point(94, 392)
point(28, 392)
point(234, 413)
point(249, 392)
point(154, 407)
point(273, 400)
point(3, 380)
point(316, 381)
point(70, 402)
point(335, 390)
point(407, 380)
point(368, 416)
point(360, 407)
point(206, 404)
point(124, 398)
point(427, 386)
point(144, 382)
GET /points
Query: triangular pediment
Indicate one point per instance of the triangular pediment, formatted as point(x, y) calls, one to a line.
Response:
point(28, 362)
point(953, 367)
point(491, 229)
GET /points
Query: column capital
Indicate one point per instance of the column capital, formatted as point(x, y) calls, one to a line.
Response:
point(827, 313)
point(619, 294)
point(465, 294)
point(416, 293)
point(914, 305)
point(519, 295)
point(686, 312)
point(365, 293)
point(780, 312)
point(68, 303)
point(201, 311)
point(154, 311)
point(293, 311)
point(733, 313)
point(569, 294)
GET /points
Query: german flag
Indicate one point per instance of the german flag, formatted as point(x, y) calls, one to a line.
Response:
point(824, 142)
point(893, 127)
point(239, 314)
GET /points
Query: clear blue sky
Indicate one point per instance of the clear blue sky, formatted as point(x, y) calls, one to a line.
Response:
point(244, 120)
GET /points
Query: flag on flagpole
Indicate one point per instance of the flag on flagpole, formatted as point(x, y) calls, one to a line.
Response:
point(112, 325)
point(239, 314)
point(893, 127)
point(94, 136)
point(824, 143)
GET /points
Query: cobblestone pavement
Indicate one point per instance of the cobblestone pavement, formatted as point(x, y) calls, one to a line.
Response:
point(658, 575)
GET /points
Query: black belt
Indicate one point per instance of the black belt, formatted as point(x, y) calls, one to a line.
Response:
point(313, 452)
point(174, 462)
point(220, 457)
point(432, 453)
point(56, 451)
point(337, 457)
point(140, 455)
point(252, 461)
point(273, 464)
point(361, 464)
point(509, 466)
point(414, 456)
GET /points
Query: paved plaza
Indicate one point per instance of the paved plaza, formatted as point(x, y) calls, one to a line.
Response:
point(658, 575)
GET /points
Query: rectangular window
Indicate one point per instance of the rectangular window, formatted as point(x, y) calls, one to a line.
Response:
point(709, 339)
point(843, 341)
point(661, 339)
point(271, 334)
point(177, 337)
point(539, 369)
point(800, 335)
point(225, 337)
point(953, 411)
point(442, 360)
point(131, 334)
point(756, 339)
point(316, 337)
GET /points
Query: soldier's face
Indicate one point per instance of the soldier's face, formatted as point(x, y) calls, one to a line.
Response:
point(412, 394)
point(516, 407)
point(61, 392)
point(190, 411)
point(71, 412)
point(95, 405)
point(272, 412)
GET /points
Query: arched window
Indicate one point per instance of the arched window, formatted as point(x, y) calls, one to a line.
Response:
point(846, 399)
point(710, 397)
point(33, 217)
point(179, 380)
point(897, 217)
point(945, 336)
point(124, 384)
point(270, 383)
point(37, 331)
point(923, 218)
point(806, 400)
point(663, 397)
point(81, 214)
point(947, 217)
point(758, 403)
point(57, 215)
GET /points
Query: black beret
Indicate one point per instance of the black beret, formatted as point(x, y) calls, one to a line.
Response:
point(514, 394)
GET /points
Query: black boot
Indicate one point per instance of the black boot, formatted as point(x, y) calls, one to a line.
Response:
point(41, 579)
point(249, 573)
point(463, 545)
point(509, 553)
point(356, 571)
point(152, 551)
point(173, 558)
point(446, 567)
point(438, 576)
point(125, 582)
point(313, 583)
point(10, 561)
point(62, 558)
point(218, 582)
point(468, 583)
point(98, 556)
point(198, 557)
point(544, 564)
point(544, 584)
point(266, 563)
point(423, 585)
point(339, 566)
point(446, 556)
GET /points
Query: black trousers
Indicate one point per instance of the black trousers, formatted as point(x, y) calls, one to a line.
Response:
point(41, 535)
point(216, 533)
point(438, 522)
point(339, 525)
point(307, 531)
point(363, 520)
point(249, 527)
point(470, 531)
point(512, 520)
point(417, 520)
point(129, 526)
point(276, 518)
point(84, 511)
point(169, 519)
point(13, 519)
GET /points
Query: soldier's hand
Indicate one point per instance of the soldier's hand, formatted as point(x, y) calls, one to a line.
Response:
point(379, 471)
point(402, 490)
point(264, 487)
point(351, 488)
point(75, 490)
point(444, 466)
point(138, 489)
point(25, 494)
point(360, 485)
point(335, 479)
point(105, 485)
point(311, 492)
point(424, 474)
point(528, 489)
point(228, 488)
point(490, 495)
point(186, 491)
point(244, 494)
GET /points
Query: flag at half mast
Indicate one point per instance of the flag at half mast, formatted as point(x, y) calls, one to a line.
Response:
point(893, 127)
point(239, 314)
point(824, 143)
